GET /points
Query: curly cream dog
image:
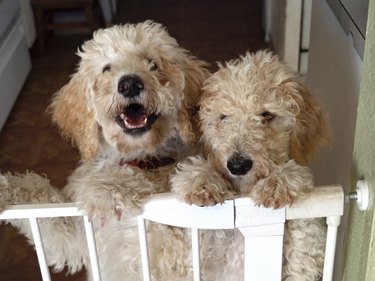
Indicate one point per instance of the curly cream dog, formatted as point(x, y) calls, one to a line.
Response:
point(130, 109)
point(260, 126)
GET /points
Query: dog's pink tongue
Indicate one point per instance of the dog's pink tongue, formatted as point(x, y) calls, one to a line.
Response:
point(135, 117)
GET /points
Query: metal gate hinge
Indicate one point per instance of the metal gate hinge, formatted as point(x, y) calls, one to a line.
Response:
point(361, 195)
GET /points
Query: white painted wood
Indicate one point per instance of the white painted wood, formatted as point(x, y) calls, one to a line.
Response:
point(263, 252)
point(41, 211)
point(284, 29)
point(293, 19)
point(333, 223)
point(167, 209)
point(324, 201)
point(143, 248)
point(39, 249)
point(263, 231)
point(90, 237)
point(306, 23)
point(247, 214)
point(267, 19)
point(196, 255)
point(263, 228)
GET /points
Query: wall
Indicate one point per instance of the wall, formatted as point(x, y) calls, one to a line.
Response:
point(360, 248)
point(334, 74)
point(283, 29)
point(28, 22)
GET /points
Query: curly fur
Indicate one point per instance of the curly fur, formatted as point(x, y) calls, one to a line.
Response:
point(260, 125)
point(111, 190)
point(90, 111)
point(85, 109)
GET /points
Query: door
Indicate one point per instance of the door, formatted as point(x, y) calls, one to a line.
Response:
point(345, 81)
point(359, 251)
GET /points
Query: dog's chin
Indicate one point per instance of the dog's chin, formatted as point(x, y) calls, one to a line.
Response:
point(136, 120)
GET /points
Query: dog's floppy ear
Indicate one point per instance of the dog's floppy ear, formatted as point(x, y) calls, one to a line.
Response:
point(195, 72)
point(311, 130)
point(69, 109)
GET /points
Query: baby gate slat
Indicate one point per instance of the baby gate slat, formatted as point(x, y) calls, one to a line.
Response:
point(263, 231)
point(259, 226)
point(254, 222)
point(262, 254)
point(90, 237)
point(39, 249)
point(143, 248)
point(333, 223)
point(52, 210)
point(196, 255)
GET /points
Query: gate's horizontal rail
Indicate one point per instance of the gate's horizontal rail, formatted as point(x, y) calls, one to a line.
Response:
point(324, 201)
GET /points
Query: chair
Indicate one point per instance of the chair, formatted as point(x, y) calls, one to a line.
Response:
point(44, 10)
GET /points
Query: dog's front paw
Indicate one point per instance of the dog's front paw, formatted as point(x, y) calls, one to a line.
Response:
point(273, 193)
point(3, 193)
point(208, 195)
point(197, 182)
point(272, 197)
point(27, 188)
point(288, 183)
point(104, 205)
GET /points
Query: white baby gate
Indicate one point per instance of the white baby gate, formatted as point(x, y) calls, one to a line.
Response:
point(262, 228)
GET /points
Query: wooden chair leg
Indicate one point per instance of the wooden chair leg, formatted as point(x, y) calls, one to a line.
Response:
point(40, 29)
point(91, 9)
point(90, 17)
point(99, 13)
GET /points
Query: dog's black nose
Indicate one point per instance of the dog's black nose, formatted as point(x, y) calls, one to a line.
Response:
point(239, 165)
point(130, 86)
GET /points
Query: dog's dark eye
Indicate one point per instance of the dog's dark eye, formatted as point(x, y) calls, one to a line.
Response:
point(267, 116)
point(152, 66)
point(106, 68)
point(222, 117)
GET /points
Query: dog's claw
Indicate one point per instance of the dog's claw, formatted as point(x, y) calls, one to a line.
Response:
point(290, 202)
point(118, 213)
point(102, 220)
point(204, 197)
point(266, 203)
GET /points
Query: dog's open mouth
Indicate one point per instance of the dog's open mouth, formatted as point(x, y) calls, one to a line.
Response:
point(135, 119)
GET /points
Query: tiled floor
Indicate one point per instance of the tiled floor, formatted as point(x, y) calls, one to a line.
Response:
point(212, 30)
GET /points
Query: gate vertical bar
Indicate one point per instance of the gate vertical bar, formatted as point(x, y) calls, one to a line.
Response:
point(329, 258)
point(39, 249)
point(196, 256)
point(90, 237)
point(144, 248)
point(263, 251)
